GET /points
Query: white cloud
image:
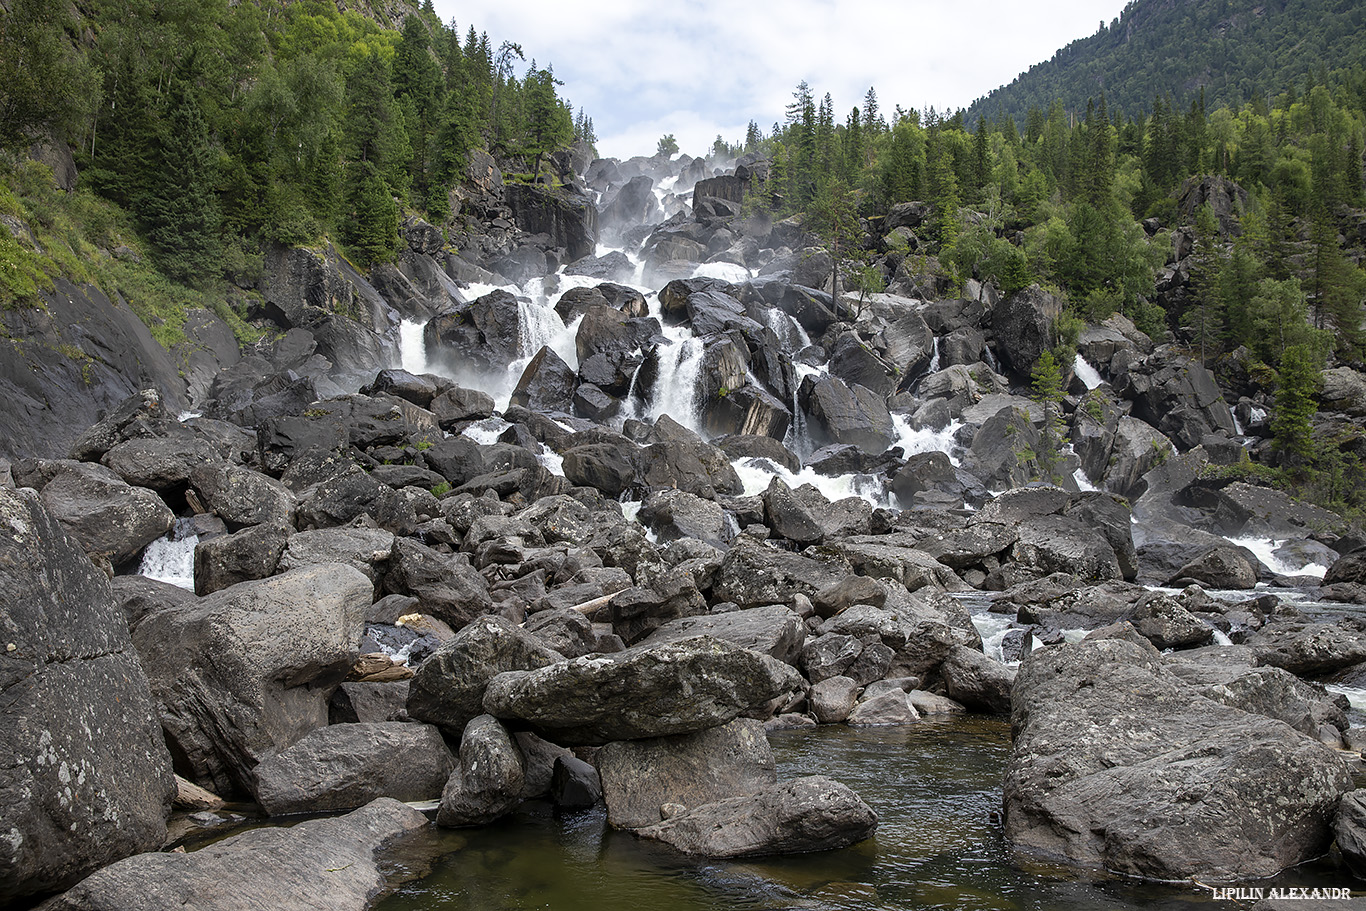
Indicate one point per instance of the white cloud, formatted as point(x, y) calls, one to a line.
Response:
point(698, 67)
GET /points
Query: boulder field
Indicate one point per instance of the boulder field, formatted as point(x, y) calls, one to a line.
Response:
point(709, 512)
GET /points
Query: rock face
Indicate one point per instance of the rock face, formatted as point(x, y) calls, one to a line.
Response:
point(246, 672)
point(794, 817)
point(320, 865)
point(1115, 765)
point(345, 766)
point(570, 221)
point(641, 776)
point(644, 691)
point(86, 777)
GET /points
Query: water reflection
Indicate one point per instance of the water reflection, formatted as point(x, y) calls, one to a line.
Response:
point(935, 786)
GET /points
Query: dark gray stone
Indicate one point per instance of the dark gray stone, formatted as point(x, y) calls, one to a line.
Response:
point(344, 766)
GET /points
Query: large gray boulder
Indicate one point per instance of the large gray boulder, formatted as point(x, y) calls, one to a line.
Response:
point(644, 691)
point(491, 779)
point(843, 413)
point(641, 776)
point(345, 766)
point(773, 630)
point(795, 817)
point(1023, 325)
point(86, 777)
point(110, 518)
point(319, 865)
point(448, 689)
point(446, 585)
point(246, 672)
point(1117, 765)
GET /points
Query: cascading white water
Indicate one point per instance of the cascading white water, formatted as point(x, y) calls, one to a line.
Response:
point(934, 359)
point(1265, 550)
point(727, 272)
point(675, 389)
point(171, 558)
point(913, 442)
point(1086, 373)
point(412, 350)
point(1237, 424)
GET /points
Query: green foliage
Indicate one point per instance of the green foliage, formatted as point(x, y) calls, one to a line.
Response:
point(1296, 402)
point(667, 145)
point(370, 227)
point(1239, 49)
point(47, 85)
point(1046, 384)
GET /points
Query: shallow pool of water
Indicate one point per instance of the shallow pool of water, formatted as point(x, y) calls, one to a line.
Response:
point(936, 786)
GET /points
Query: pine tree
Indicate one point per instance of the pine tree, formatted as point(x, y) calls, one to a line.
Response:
point(370, 226)
point(1296, 401)
point(1046, 380)
point(1204, 312)
point(180, 208)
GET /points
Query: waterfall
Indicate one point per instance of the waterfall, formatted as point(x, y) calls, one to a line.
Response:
point(934, 359)
point(1086, 373)
point(1237, 424)
point(675, 391)
point(412, 350)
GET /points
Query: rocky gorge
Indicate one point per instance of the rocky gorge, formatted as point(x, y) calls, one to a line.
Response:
point(594, 489)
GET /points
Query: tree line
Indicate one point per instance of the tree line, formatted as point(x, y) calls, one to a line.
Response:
point(225, 127)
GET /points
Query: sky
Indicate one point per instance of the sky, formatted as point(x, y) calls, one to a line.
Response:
point(698, 68)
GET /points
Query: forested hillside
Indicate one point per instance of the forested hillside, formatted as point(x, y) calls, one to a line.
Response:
point(1233, 50)
point(1238, 229)
point(205, 132)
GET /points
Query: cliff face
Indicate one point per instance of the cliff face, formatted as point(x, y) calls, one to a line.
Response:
point(63, 364)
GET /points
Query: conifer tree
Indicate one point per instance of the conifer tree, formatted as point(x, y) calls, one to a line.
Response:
point(370, 225)
point(1296, 401)
point(1204, 312)
point(180, 207)
point(1046, 379)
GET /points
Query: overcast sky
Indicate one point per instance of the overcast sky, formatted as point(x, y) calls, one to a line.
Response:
point(696, 68)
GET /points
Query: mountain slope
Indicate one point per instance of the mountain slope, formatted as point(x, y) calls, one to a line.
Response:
point(1235, 50)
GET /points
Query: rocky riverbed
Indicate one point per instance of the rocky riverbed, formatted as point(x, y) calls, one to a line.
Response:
point(617, 521)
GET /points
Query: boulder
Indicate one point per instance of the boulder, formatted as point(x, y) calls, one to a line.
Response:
point(977, 681)
point(240, 496)
point(1177, 395)
point(1220, 567)
point(841, 413)
point(159, 463)
point(644, 691)
point(570, 221)
point(795, 817)
point(110, 518)
point(351, 494)
point(641, 776)
point(547, 384)
point(252, 553)
point(86, 776)
point(675, 514)
point(490, 780)
point(1117, 765)
point(1051, 544)
point(753, 575)
point(887, 707)
point(1349, 830)
point(367, 549)
point(774, 630)
point(574, 784)
point(1023, 326)
point(344, 766)
point(448, 689)
point(832, 699)
point(247, 671)
point(446, 585)
point(319, 865)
